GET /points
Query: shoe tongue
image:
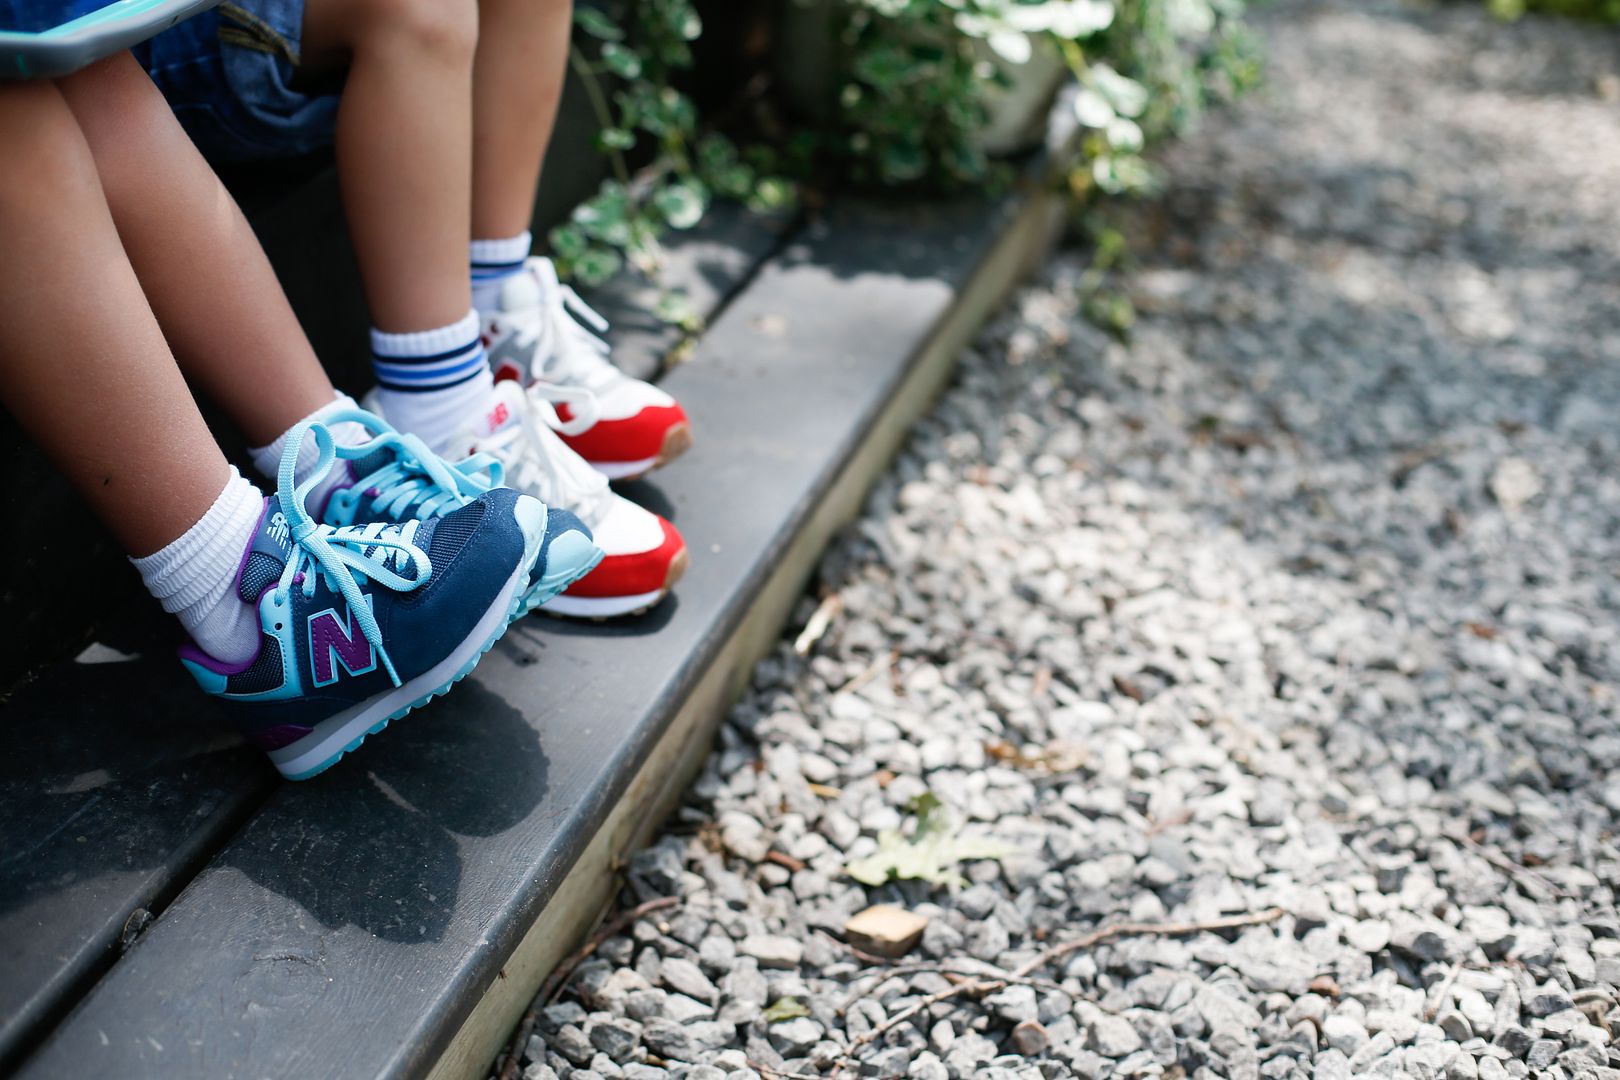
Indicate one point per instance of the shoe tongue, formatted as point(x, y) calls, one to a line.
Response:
point(522, 292)
point(266, 555)
point(272, 546)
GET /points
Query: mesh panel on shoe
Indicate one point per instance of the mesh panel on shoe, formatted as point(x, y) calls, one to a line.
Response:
point(373, 461)
point(261, 571)
point(265, 674)
point(451, 533)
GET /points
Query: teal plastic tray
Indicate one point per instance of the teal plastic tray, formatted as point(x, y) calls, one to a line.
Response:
point(64, 49)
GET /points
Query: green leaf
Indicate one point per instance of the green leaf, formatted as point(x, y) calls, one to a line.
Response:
point(596, 24)
point(568, 243)
point(597, 265)
point(1189, 19)
point(923, 805)
point(606, 216)
point(734, 181)
point(716, 151)
point(621, 61)
point(675, 308)
point(615, 138)
point(682, 205)
point(1125, 135)
point(689, 26)
point(773, 193)
point(1127, 96)
point(784, 1008)
point(1011, 45)
point(931, 854)
point(1092, 109)
point(1068, 19)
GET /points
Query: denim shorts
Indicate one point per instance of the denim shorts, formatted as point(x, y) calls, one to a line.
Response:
point(228, 75)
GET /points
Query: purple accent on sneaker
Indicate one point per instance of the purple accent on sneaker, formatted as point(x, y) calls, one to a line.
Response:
point(319, 512)
point(190, 651)
point(275, 738)
point(298, 578)
point(328, 636)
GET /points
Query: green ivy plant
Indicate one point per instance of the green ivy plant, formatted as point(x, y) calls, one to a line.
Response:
point(630, 79)
point(913, 81)
point(920, 72)
point(1607, 11)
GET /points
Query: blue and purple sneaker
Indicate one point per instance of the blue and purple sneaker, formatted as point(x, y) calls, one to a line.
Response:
point(395, 477)
point(362, 623)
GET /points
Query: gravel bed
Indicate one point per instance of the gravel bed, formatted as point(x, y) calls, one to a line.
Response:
point(1303, 598)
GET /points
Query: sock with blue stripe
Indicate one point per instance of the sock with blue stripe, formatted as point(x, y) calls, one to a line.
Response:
point(493, 261)
point(434, 384)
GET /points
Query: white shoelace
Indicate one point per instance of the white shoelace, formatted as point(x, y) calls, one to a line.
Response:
point(536, 461)
point(565, 330)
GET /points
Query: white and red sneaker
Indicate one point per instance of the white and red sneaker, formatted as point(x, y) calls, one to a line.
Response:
point(643, 555)
point(536, 337)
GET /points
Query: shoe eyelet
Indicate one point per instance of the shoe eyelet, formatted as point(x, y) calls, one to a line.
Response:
point(278, 626)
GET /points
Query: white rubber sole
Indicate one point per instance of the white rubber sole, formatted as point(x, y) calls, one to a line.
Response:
point(626, 470)
point(601, 607)
point(570, 557)
point(337, 735)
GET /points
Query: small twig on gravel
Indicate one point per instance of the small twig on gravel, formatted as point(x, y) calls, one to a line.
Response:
point(820, 620)
point(1442, 990)
point(1502, 862)
point(559, 978)
point(891, 969)
point(770, 1073)
point(784, 860)
point(1056, 952)
point(877, 961)
point(873, 670)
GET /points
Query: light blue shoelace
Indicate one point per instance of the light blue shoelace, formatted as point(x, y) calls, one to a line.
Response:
point(416, 482)
point(336, 555)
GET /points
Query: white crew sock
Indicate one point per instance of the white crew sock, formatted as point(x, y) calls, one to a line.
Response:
point(433, 383)
point(267, 459)
point(194, 577)
point(493, 261)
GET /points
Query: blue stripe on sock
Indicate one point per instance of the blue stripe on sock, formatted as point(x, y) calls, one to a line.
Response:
point(420, 377)
point(434, 371)
point(406, 388)
point(429, 358)
point(491, 271)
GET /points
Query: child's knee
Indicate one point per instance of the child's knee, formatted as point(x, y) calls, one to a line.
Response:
point(44, 147)
point(115, 95)
point(437, 27)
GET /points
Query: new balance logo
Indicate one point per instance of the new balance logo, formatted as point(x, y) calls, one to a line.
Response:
point(279, 532)
point(335, 643)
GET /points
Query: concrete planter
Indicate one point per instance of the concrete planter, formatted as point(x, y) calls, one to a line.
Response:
point(1018, 113)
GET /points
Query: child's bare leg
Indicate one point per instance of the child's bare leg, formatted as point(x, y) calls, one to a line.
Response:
point(83, 365)
point(404, 148)
point(517, 85)
point(202, 269)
